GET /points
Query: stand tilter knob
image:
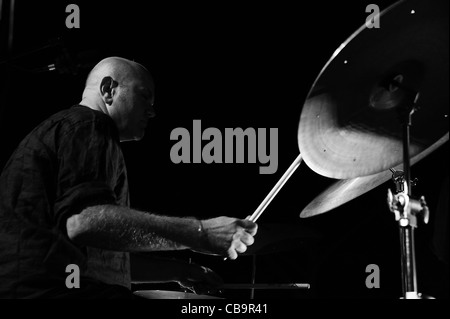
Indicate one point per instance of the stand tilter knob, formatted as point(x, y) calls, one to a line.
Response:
point(406, 208)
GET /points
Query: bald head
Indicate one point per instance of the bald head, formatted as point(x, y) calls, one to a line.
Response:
point(121, 70)
point(124, 90)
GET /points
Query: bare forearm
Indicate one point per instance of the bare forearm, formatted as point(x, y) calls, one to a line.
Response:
point(123, 229)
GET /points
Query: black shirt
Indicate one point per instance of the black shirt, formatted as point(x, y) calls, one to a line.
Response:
point(69, 162)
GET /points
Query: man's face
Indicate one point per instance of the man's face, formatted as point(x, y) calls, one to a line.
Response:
point(135, 108)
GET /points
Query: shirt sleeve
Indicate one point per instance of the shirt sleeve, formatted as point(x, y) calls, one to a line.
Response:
point(87, 158)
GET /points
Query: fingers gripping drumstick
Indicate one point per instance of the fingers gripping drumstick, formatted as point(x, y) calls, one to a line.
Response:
point(254, 217)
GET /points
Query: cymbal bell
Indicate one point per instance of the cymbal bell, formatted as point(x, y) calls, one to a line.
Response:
point(346, 190)
point(350, 125)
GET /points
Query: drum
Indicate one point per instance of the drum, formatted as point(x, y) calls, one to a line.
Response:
point(168, 294)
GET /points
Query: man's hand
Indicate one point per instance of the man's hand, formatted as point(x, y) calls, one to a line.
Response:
point(226, 236)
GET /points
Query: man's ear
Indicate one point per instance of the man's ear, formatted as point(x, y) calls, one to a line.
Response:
point(107, 89)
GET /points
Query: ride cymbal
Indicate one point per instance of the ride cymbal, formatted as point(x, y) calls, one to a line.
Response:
point(346, 190)
point(350, 124)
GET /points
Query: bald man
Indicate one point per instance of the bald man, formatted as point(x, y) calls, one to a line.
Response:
point(64, 201)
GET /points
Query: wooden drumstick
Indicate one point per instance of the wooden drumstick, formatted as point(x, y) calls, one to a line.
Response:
point(254, 217)
point(276, 189)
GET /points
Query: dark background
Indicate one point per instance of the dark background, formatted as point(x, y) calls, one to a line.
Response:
point(230, 66)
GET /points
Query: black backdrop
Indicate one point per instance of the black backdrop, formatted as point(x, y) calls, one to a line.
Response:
point(230, 66)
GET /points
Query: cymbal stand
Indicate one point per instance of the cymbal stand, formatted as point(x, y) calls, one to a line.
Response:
point(407, 209)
